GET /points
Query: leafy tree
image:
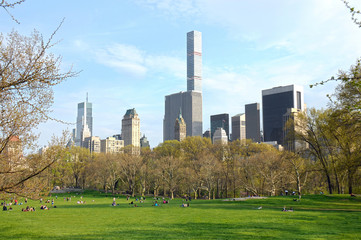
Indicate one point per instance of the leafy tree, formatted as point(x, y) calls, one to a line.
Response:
point(78, 159)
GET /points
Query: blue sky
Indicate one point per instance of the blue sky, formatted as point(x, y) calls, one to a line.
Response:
point(133, 53)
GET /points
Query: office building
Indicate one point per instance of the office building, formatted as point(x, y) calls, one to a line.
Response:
point(180, 128)
point(190, 102)
point(275, 103)
point(84, 122)
point(253, 122)
point(220, 121)
point(131, 128)
point(111, 145)
point(220, 136)
point(239, 127)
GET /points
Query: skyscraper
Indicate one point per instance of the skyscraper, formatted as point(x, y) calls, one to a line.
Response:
point(131, 128)
point(220, 121)
point(194, 61)
point(84, 122)
point(239, 127)
point(253, 123)
point(275, 102)
point(190, 102)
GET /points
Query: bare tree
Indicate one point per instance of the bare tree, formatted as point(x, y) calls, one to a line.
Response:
point(10, 4)
point(27, 76)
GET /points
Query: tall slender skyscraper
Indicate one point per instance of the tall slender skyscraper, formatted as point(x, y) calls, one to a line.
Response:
point(190, 102)
point(84, 122)
point(275, 102)
point(194, 61)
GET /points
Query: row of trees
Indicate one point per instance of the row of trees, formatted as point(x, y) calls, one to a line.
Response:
point(192, 167)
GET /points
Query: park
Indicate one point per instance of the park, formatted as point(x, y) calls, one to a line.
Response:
point(313, 217)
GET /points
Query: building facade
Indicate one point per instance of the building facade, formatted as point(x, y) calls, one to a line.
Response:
point(275, 102)
point(220, 121)
point(180, 128)
point(144, 142)
point(93, 144)
point(292, 124)
point(194, 61)
point(253, 122)
point(239, 127)
point(111, 145)
point(131, 128)
point(190, 102)
point(220, 136)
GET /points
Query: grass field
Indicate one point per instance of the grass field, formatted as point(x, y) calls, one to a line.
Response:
point(314, 217)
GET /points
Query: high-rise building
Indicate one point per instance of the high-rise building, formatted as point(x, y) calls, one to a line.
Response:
point(220, 121)
point(275, 103)
point(84, 122)
point(190, 102)
point(253, 122)
point(239, 127)
point(111, 145)
point(194, 61)
point(220, 136)
point(131, 128)
point(180, 128)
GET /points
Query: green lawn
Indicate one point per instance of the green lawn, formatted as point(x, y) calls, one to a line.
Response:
point(314, 217)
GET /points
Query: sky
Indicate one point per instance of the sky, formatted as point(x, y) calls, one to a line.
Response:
point(132, 53)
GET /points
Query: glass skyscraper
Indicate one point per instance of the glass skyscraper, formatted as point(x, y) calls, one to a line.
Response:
point(84, 122)
point(275, 103)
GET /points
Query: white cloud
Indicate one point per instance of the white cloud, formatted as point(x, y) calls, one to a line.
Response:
point(123, 58)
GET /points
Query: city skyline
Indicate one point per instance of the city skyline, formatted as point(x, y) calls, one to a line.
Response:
point(132, 54)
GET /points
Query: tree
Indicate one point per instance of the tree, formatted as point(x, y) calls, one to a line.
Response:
point(354, 13)
point(10, 4)
point(78, 159)
point(298, 170)
point(27, 176)
point(193, 149)
point(130, 166)
point(28, 74)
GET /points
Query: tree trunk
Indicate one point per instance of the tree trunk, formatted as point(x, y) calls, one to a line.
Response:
point(349, 178)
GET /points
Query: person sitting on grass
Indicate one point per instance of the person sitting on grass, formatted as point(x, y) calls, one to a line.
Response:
point(5, 208)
